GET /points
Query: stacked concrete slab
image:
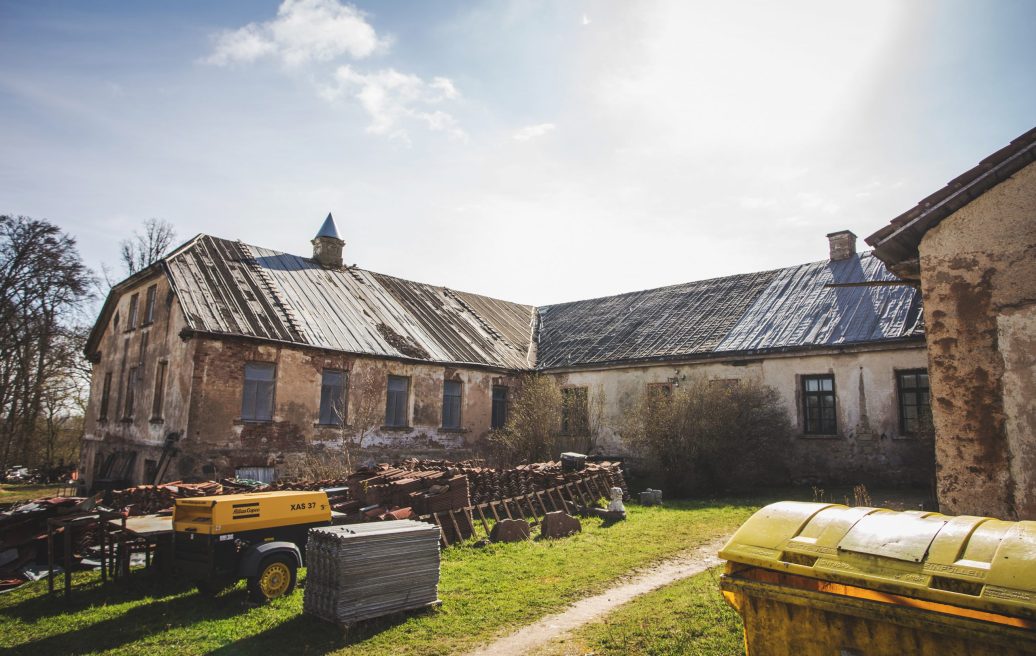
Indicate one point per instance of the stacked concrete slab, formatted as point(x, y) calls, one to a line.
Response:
point(361, 571)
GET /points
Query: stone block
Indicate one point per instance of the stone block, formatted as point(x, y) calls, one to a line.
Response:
point(559, 525)
point(510, 530)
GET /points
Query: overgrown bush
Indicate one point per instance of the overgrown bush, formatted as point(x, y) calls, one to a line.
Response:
point(704, 436)
point(533, 422)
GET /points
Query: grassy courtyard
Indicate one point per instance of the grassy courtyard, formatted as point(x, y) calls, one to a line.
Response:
point(487, 592)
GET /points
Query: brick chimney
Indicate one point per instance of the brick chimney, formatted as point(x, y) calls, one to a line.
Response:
point(327, 245)
point(843, 244)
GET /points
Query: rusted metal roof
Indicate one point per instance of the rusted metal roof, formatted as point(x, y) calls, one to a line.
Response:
point(758, 312)
point(231, 288)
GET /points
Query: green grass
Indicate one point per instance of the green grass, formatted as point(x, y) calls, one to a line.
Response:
point(486, 592)
point(687, 617)
point(11, 493)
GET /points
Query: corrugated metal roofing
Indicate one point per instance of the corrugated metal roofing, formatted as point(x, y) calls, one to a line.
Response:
point(231, 288)
point(237, 289)
point(772, 310)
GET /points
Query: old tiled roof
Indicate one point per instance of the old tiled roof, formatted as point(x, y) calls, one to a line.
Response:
point(898, 241)
point(231, 288)
point(820, 304)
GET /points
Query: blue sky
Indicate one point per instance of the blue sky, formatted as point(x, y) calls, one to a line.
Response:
point(533, 151)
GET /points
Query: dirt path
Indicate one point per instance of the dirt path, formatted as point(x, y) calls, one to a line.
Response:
point(586, 610)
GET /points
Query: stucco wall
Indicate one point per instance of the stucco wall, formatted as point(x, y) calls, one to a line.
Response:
point(978, 279)
point(867, 448)
point(120, 349)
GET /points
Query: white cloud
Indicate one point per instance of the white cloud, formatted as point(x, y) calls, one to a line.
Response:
point(303, 31)
point(533, 131)
point(393, 100)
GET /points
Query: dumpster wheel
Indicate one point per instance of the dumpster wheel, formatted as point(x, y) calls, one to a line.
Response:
point(276, 578)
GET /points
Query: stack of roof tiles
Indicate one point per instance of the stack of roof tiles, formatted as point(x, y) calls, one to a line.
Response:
point(361, 571)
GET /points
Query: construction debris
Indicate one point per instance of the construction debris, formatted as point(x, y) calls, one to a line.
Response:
point(359, 572)
point(559, 525)
point(23, 535)
point(510, 530)
point(651, 497)
point(151, 499)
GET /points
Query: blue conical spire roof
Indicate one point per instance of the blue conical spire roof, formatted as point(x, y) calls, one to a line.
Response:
point(329, 229)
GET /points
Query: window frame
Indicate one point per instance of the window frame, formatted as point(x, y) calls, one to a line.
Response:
point(343, 398)
point(566, 411)
point(106, 397)
point(397, 407)
point(901, 390)
point(499, 404)
point(451, 399)
point(129, 400)
point(256, 385)
point(134, 310)
point(819, 394)
point(158, 398)
point(149, 304)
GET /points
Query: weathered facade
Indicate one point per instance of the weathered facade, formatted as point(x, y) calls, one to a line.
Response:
point(972, 248)
point(250, 357)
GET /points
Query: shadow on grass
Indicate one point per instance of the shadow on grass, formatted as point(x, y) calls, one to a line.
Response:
point(135, 624)
point(305, 634)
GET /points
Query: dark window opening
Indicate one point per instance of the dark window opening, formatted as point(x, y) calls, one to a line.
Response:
point(131, 321)
point(451, 391)
point(131, 386)
point(660, 390)
point(333, 397)
point(574, 411)
point(149, 304)
point(915, 409)
point(499, 406)
point(159, 398)
point(397, 403)
point(257, 398)
point(144, 339)
point(150, 471)
point(106, 395)
point(818, 405)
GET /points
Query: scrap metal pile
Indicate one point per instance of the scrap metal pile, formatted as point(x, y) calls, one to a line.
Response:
point(23, 536)
point(360, 571)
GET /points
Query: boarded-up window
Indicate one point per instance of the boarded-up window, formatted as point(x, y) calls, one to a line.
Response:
point(575, 419)
point(451, 391)
point(149, 304)
point(915, 410)
point(106, 395)
point(499, 406)
point(159, 398)
point(332, 397)
point(257, 399)
point(397, 402)
point(131, 322)
point(818, 405)
point(131, 387)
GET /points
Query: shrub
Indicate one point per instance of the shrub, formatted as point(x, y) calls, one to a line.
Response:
point(533, 420)
point(703, 435)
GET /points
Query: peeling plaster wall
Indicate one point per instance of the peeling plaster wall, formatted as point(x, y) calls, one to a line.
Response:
point(868, 447)
point(120, 349)
point(218, 440)
point(978, 279)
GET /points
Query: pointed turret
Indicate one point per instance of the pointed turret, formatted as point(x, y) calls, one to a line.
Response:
point(327, 245)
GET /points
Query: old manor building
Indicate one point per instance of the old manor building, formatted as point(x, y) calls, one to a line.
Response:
point(224, 358)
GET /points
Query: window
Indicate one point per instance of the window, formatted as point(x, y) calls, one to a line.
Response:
point(499, 406)
point(115, 321)
point(332, 397)
point(131, 322)
point(131, 384)
point(451, 404)
point(659, 391)
point(257, 399)
point(159, 398)
point(574, 411)
point(149, 304)
point(150, 471)
point(818, 405)
point(106, 395)
point(144, 337)
point(915, 410)
point(397, 401)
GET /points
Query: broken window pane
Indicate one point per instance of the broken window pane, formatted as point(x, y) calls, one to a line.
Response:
point(332, 397)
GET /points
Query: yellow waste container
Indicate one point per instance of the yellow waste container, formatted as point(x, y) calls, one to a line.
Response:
point(818, 578)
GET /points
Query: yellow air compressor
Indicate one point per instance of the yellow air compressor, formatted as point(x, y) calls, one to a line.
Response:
point(259, 536)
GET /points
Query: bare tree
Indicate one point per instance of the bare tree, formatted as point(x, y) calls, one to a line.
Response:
point(367, 412)
point(533, 422)
point(144, 249)
point(43, 284)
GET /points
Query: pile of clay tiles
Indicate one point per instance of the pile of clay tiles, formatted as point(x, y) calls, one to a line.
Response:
point(493, 484)
point(361, 571)
point(23, 536)
point(151, 499)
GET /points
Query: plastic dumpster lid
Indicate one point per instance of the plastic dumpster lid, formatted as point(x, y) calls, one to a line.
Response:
point(972, 562)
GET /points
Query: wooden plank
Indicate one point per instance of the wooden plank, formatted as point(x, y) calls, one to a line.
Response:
point(492, 509)
point(456, 527)
point(442, 533)
point(482, 516)
point(539, 497)
point(535, 517)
